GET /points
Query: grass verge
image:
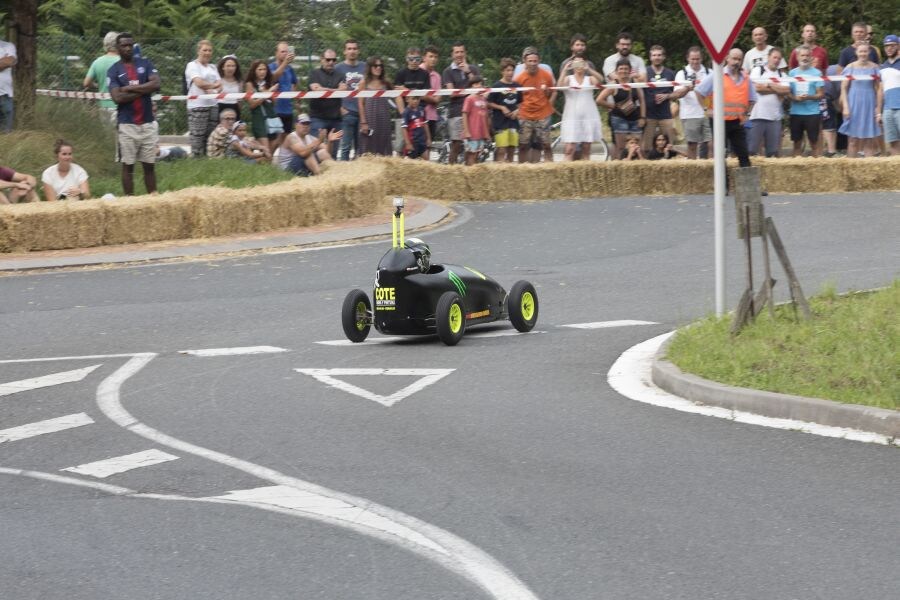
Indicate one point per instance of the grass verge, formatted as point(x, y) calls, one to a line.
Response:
point(849, 352)
point(94, 140)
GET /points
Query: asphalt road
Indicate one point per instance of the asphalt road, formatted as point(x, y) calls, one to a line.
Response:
point(518, 474)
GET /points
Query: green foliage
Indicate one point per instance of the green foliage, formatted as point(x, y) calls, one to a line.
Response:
point(849, 351)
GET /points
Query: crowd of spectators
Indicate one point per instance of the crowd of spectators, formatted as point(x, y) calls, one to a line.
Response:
point(645, 123)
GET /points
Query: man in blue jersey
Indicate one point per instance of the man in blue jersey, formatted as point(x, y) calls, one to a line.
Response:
point(132, 82)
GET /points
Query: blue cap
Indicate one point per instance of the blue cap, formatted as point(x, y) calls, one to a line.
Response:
point(891, 39)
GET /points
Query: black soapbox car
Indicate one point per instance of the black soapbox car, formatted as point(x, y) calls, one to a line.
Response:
point(414, 297)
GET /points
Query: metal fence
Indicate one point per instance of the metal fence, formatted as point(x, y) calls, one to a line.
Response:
point(64, 60)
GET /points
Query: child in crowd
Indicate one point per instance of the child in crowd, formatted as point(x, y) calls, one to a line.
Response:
point(632, 150)
point(476, 128)
point(415, 129)
point(240, 146)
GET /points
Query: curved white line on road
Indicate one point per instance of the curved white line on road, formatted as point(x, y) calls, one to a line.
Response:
point(368, 518)
point(631, 376)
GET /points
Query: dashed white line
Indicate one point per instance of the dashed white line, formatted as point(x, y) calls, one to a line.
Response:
point(23, 385)
point(208, 352)
point(42, 427)
point(607, 324)
point(120, 464)
point(389, 339)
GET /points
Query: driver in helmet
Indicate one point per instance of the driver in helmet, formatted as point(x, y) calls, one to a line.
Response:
point(422, 253)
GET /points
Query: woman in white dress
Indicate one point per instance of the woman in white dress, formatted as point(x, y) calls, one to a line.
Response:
point(65, 180)
point(580, 125)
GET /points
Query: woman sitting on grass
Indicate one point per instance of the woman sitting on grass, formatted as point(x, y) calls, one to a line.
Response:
point(240, 146)
point(65, 180)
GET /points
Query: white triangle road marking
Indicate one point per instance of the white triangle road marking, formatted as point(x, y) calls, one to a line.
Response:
point(41, 427)
point(120, 464)
point(329, 377)
point(23, 385)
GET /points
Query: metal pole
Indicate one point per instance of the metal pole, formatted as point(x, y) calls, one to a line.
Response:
point(719, 184)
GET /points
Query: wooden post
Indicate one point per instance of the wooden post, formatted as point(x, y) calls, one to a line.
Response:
point(796, 292)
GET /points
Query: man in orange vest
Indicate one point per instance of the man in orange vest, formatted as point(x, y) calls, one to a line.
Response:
point(740, 96)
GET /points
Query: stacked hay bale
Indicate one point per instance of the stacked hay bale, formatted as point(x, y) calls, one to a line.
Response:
point(348, 190)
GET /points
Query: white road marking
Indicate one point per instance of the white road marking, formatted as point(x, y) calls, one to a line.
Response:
point(296, 500)
point(53, 358)
point(233, 351)
point(606, 324)
point(428, 376)
point(389, 339)
point(41, 427)
point(462, 558)
point(630, 375)
point(120, 464)
point(23, 385)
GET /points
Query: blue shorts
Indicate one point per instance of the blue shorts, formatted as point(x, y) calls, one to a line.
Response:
point(620, 125)
point(474, 145)
point(890, 122)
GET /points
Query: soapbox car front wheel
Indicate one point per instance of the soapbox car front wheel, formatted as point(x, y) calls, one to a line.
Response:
point(355, 316)
point(522, 305)
point(450, 318)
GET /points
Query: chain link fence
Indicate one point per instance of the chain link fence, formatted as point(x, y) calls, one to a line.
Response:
point(63, 61)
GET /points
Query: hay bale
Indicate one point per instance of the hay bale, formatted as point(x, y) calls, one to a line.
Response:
point(53, 226)
point(151, 218)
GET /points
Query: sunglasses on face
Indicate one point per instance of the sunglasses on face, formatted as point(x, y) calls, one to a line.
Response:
point(414, 59)
point(378, 66)
point(329, 59)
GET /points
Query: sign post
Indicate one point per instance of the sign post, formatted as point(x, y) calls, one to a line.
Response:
point(718, 23)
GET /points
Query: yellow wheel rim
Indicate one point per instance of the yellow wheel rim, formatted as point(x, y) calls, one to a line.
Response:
point(360, 315)
point(455, 317)
point(527, 306)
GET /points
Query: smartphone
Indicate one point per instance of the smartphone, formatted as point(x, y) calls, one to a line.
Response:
point(290, 50)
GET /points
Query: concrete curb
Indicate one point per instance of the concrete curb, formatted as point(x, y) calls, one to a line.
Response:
point(770, 404)
point(431, 214)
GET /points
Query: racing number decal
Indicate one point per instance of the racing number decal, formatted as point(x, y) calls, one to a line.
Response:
point(385, 298)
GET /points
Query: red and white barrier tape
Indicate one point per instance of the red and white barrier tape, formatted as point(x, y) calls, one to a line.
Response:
point(442, 92)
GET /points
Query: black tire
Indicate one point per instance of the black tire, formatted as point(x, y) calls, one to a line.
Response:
point(355, 316)
point(522, 306)
point(450, 318)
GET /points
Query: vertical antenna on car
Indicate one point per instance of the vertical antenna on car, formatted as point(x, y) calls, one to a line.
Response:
point(398, 214)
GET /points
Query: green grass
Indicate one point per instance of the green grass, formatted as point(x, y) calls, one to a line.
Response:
point(93, 137)
point(848, 352)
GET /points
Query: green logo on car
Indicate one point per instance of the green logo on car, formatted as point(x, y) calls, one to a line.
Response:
point(459, 283)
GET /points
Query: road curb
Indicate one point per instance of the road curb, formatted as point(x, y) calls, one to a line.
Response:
point(771, 404)
point(431, 214)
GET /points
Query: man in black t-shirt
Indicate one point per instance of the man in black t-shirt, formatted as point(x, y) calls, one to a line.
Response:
point(325, 113)
point(411, 77)
point(658, 100)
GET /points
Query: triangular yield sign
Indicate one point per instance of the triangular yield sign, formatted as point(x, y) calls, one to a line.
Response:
point(717, 22)
point(329, 377)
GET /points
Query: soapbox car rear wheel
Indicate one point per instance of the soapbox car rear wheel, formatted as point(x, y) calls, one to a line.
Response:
point(355, 316)
point(450, 318)
point(522, 305)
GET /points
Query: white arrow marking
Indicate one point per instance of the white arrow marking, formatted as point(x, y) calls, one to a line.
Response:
point(41, 427)
point(428, 376)
point(14, 387)
point(120, 464)
point(233, 351)
point(606, 324)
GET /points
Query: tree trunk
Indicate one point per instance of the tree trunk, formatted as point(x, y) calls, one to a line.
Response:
point(25, 19)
